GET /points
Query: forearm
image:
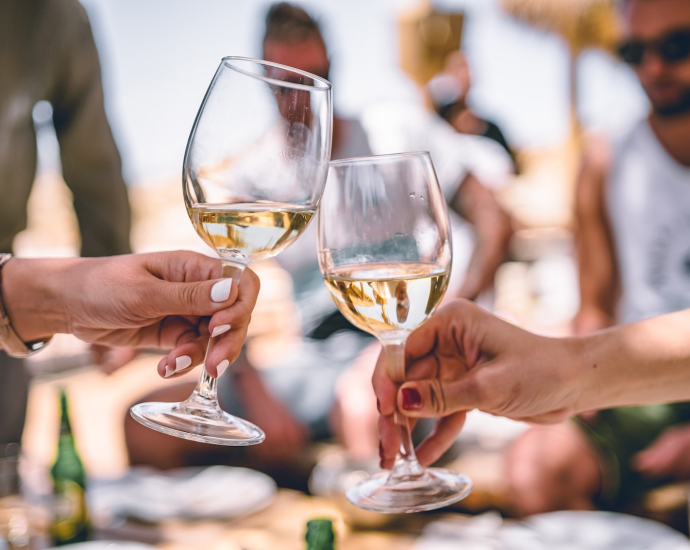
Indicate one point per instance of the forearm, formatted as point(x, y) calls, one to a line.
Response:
point(643, 363)
point(493, 234)
point(32, 294)
point(493, 230)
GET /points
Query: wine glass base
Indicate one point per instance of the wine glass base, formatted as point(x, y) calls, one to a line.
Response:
point(435, 488)
point(206, 426)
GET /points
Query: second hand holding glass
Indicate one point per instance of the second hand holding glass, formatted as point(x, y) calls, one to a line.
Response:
point(254, 171)
point(385, 255)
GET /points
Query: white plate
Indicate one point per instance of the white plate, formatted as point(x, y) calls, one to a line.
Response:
point(106, 545)
point(581, 530)
point(190, 493)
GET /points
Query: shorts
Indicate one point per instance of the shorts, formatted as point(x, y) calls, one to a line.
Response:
point(617, 435)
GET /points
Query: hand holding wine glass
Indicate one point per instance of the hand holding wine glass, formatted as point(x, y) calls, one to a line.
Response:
point(385, 254)
point(254, 171)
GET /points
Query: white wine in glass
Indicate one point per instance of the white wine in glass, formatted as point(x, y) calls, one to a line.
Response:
point(384, 298)
point(254, 171)
point(385, 255)
point(258, 230)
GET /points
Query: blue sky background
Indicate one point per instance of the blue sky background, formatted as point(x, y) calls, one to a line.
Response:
point(158, 57)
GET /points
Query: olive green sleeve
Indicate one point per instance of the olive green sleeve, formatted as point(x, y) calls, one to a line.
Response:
point(91, 163)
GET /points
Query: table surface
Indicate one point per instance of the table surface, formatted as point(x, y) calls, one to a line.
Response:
point(281, 526)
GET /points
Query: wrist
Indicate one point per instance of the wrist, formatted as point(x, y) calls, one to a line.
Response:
point(586, 372)
point(31, 299)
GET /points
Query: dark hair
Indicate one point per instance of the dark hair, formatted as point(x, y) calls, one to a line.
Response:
point(286, 22)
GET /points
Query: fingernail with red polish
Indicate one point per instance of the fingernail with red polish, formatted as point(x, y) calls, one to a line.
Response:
point(411, 399)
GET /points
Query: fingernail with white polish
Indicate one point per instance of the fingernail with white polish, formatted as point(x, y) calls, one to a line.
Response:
point(181, 363)
point(222, 366)
point(220, 329)
point(221, 290)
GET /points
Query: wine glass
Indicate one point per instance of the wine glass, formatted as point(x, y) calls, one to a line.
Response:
point(385, 255)
point(254, 170)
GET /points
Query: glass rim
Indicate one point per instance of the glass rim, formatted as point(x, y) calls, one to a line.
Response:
point(227, 61)
point(374, 158)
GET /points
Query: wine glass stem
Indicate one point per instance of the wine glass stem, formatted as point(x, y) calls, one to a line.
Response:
point(205, 395)
point(406, 465)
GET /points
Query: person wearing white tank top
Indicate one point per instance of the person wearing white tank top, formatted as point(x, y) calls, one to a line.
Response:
point(647, 201)
point(633, 246)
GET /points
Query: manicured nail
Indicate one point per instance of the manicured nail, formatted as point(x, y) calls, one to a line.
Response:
point(221, 290)
point(411, 399)
point(222, 366)
point(181, 363)
point(220, 329)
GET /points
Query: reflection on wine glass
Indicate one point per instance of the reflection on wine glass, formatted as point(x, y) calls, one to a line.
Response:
point(385, 255)
point(254, 171)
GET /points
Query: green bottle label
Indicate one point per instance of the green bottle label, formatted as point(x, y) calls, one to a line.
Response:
point(320, 534)
point(70, 519)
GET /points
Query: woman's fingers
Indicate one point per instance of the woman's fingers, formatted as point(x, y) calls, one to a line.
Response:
point(193, 287)
point(188, 354)
point(226, 348)
point(384, 388)
point(433, 398)
point(440, 440)
point(196, 298)
point(390, 441)
point(234, 317)
point(191, 350)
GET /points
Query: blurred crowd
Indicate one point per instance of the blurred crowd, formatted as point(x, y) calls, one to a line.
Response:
point(630, 228)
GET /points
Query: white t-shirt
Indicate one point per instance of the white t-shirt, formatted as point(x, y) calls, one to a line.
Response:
point(648, 201)
point(396, 127)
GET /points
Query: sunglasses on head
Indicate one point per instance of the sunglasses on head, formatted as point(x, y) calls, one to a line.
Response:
point(673, 48)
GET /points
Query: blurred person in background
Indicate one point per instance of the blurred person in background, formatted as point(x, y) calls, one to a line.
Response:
point(470, 169)
point(633, 213)
point(448, 92)
point(324, 389)
point(47, 53)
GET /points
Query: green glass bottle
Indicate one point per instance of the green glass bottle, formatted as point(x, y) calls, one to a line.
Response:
point(70, 516)
point(320, 534)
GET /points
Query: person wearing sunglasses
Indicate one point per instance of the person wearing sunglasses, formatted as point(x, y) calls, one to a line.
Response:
point(633, 242)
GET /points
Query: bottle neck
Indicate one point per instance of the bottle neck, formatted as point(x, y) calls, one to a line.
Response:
point(65, 442)
point(65, 426)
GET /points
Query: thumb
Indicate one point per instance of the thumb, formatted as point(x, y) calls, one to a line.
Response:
point(433, 397)
point(199, 298)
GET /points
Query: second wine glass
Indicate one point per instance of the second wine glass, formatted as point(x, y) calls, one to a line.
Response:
point(254, 171)
point(385, 255)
